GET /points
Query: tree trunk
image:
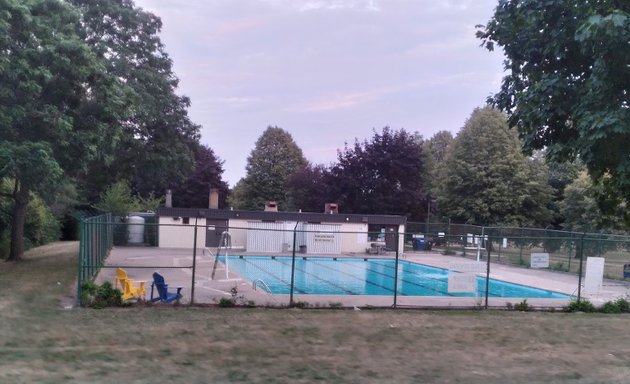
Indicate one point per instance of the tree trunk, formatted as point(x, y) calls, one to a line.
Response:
point(20, 199)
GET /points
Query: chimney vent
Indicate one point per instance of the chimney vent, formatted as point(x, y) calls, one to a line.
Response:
point(271, 206)
point(169, 199)
point(213, 199)
point(331, 208)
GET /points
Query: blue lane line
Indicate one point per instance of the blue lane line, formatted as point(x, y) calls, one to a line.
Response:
point(271, 274)
point(319, 278)
point(409, 282)
point(354, 276)
point(446, 293)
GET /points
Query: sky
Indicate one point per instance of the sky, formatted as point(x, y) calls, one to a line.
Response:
point(326, 71)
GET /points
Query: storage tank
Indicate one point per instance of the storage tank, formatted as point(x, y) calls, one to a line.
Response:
point(136, 229)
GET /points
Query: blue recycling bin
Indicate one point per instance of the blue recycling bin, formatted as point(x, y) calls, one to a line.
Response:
point(419, 245)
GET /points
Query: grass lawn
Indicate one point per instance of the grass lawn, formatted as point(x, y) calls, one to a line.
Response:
point(41, 342)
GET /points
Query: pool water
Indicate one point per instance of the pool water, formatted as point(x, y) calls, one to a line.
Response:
point(358, 276)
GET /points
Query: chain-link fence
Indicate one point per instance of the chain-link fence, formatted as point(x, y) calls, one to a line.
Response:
point(289, 263)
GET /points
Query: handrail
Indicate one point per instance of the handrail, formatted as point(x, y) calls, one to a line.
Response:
point(225, 242)
point(263, 284)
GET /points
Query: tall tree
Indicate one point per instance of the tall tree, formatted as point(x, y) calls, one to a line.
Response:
point(436, 149)
point(207, 173)
point(158, 138)
point(560, 176)
point(486, 178)
point(308, 189)
point(568, 82)
point(581, 212)
point(384, 175)
point(275, 157)
point(50, 82)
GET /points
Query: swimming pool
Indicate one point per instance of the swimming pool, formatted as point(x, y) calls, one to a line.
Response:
point(359, 276)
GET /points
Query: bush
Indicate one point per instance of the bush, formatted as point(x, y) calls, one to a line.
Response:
point(95, 296)
point(623, 304)
point(618, 306)
point(610, 307)
point(580, 306)
point(523, 306)
point(225, 302)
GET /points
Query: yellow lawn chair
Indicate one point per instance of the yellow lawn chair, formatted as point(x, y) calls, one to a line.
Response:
point(127, 287)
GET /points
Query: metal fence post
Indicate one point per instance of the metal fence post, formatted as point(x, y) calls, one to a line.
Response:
point(487, 272)
point(396, 271)
point(293, 264)
point(580, 271)
point(194, 268)
point(81, 256)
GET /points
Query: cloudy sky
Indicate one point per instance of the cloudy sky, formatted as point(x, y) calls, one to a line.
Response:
point(327, 71)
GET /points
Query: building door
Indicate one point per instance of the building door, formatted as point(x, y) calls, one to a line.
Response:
point(214, 229)
point(390, 237)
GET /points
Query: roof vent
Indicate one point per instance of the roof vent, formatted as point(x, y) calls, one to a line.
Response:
point(271, 206)
point(331, 208)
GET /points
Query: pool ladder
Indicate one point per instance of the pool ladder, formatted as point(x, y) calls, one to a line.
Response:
point(263, 284)
point(225, 242)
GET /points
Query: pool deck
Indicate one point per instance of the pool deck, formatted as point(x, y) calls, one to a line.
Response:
point(176, 266)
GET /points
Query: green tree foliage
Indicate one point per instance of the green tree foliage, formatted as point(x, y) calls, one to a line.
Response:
point(157, 138)
point(118, 199)
point(580, 209)
point(384, 175)
point(486, 178)
point(207, 173)
point(308, 189)
point(561, 175)
point(51, 85)
point(275, 157)
point(436, 149)
point(568, 86)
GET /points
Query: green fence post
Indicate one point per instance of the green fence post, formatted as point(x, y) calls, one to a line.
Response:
point(580, 271)
point(81, 256)
point(293, 264)
point(194, 269)
point(396, 271)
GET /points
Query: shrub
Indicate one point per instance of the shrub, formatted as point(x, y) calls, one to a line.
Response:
point(617, 306)
point(523, 306)
point(559, 266)
point(580, 306)
point(611, 307)
point(225, 302)
point(95, 296)
point(623, 304)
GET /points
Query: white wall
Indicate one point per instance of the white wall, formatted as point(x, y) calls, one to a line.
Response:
point(175, 234)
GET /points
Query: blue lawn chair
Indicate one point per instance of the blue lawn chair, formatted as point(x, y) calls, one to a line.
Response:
point(162, 289)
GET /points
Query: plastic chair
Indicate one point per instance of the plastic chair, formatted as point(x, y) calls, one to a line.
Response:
point(129, 291)
point(162, 289)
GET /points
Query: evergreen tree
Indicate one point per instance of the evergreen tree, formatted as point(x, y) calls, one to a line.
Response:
point(486, 178)
point(275, 157)
point(206, 174)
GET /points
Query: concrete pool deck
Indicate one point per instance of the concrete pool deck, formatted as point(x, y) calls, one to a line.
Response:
point(176, 266)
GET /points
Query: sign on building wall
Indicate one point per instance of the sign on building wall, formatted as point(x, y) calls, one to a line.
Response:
point(539, 260)
point(323, 238)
